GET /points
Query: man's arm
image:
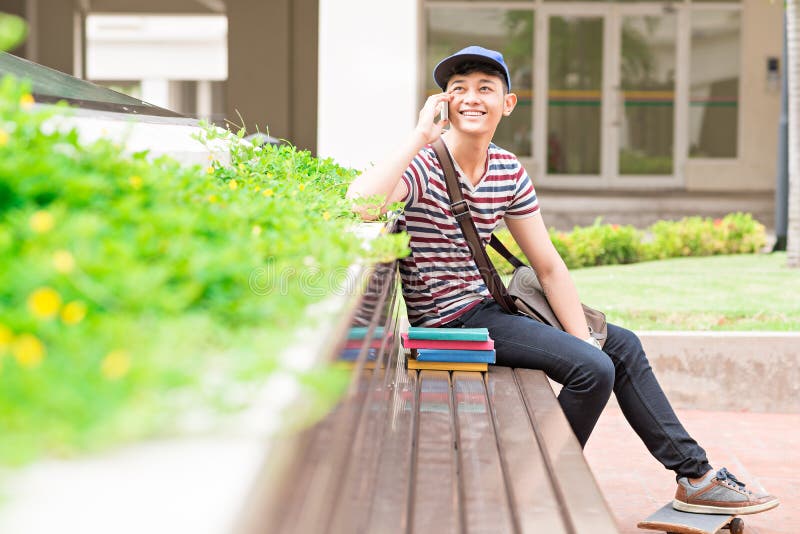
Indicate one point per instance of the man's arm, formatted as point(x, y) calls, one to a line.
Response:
point(531, 235)
point(384, 178)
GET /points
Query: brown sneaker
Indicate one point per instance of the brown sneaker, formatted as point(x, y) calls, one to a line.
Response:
point(720, 493)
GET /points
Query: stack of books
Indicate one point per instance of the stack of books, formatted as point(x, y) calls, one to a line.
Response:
point(357, 339)
point(449, 349)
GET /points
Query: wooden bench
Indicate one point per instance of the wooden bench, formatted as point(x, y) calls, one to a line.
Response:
point(433, 451)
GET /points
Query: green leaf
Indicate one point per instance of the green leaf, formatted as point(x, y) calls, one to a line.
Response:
point(13, 31)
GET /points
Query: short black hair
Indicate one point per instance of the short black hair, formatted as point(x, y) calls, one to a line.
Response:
point(468, 67)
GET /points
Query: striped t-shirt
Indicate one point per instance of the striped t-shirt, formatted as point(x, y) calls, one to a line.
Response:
point(440, 278)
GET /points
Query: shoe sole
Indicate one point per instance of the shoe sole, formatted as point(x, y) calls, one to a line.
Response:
point(741, 510)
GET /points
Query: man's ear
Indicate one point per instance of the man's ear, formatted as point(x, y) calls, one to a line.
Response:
point(509, 103)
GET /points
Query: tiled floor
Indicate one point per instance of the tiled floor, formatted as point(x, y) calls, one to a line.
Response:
point(762, 450)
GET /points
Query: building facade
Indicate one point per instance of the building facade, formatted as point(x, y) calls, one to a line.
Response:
point(613, 96)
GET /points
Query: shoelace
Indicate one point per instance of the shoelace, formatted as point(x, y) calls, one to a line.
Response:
point(726, 477)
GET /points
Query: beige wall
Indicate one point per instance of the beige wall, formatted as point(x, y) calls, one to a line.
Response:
point(754, 169)
point(54, 33)
point(272, 47)
point(272, 68)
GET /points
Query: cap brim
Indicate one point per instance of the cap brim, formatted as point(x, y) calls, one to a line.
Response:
point(447, 64)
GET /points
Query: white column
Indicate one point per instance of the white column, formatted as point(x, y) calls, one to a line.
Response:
point(367, 78)
point(204, 99)
point(793, 80)
point(156, 92)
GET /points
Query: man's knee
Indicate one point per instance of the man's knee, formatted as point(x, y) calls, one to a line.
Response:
point(595, 374)
point(625, 346)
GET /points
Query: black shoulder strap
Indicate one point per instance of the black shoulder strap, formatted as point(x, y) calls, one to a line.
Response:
point(460, 210)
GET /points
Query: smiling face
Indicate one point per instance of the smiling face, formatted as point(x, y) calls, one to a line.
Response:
point(479, 102)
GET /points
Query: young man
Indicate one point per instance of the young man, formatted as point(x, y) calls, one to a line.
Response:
point(443, 287)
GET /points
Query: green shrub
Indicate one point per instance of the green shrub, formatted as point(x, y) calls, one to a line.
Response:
point(612, 244)
point(132, 290)
point(735, 233)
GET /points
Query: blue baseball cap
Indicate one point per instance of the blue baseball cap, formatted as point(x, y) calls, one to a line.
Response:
point(471, 53)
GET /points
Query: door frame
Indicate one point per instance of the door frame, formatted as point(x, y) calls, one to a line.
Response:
point(611, 101)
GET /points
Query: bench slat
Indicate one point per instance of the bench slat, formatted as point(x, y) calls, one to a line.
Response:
point(534, 502)
point(483, 491)
point(435, 492)
point(586, 509)
point(390, 502)
point(356, 487)
point(321, 467)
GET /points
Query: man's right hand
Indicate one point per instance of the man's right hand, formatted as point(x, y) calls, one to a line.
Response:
point(428, 127)
point(384, 178)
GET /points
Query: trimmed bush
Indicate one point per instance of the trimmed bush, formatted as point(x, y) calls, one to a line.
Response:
point(612, 244)
point(134, 290)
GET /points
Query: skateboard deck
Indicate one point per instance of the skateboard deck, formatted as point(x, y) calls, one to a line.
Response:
point(667, 519)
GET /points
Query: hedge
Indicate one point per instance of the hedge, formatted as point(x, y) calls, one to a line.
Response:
point(134, 291)
point(611, 244)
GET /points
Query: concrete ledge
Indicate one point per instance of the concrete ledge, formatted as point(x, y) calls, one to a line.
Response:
point(752, 371)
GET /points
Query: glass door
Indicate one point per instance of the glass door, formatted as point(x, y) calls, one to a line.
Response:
point(644, 129)
point(609, 118)
point(570, 142)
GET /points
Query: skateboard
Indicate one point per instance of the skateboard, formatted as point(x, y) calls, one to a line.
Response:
point(672, 521)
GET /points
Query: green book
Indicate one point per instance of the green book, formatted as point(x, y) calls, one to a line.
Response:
point(462, 334)
point(360, 332)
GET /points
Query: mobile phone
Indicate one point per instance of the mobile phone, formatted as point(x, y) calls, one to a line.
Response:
point(443, 112)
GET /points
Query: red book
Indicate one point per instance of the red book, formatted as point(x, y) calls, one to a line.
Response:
point(446, 344)
point(358, 343)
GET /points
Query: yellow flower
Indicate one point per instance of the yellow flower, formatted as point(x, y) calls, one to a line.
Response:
point(256, 230)
point(211, 157)
point(6, 336)
point(301, 187)
point(212, 198)
point(28, 350)
point(115, 365)
point(257, 189)
point(241, 166)
point(136, 182)
point(42, 221)
point(26, 101)
point(3, 137)
point(44, 302)
point(210, 170)
point(73, 312)
point(268, 192)
point(233, 184)
point(63, 261)
point(326, 216)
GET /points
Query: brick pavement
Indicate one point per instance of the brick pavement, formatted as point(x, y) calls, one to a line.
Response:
point(761, 449)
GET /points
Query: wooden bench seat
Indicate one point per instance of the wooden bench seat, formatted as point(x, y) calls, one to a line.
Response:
point(448, 452)
point(433, 452)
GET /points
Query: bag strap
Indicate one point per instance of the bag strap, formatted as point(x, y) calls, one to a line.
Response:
point(501, 249)
point(460, 210)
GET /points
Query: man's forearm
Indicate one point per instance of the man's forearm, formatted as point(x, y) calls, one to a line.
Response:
point(563, 298)
point(382, 179)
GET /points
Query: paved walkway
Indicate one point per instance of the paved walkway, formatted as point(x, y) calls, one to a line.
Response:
point(761, 449)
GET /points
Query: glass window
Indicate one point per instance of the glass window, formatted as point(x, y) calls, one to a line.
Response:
point(450, 29)
point(648, 93)
point(714, 84)
point(574, 94)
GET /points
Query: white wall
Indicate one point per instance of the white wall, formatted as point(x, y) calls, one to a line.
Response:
point(367, 96)
point(133, 47)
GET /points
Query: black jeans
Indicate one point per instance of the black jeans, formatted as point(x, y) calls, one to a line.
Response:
point(588, 376)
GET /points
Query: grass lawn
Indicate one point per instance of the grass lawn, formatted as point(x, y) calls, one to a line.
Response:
point(741, 292)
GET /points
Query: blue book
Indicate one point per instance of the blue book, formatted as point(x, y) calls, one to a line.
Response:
point(352, 354)
point(452, 355)
point(462, 334)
